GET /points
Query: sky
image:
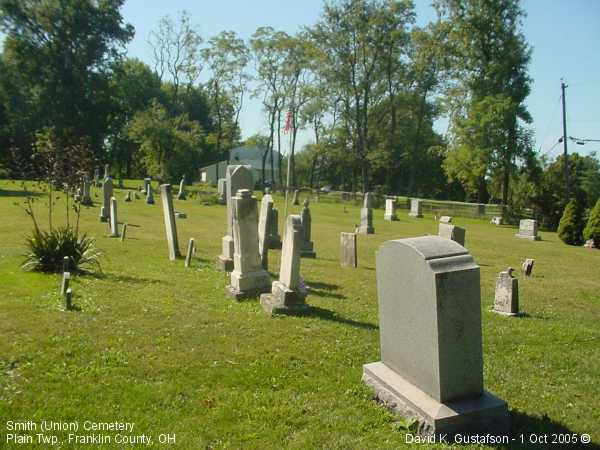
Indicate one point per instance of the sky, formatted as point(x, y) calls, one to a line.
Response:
point(564, 35)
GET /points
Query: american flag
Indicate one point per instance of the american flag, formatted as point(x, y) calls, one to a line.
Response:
point(288, 122)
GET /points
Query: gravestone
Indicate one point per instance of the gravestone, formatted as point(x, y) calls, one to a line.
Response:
point(114, 223)
point(96, 177)
point(528, 229)
point(69, 299)
point(266, 214)
point(149, 195)
point(274, 238)
point(65, 282)
point(107, 193)
point(221, 189)
point(180, 215)
point(147, 185)
point(190, 252)
point(506, 299)
point(248, 278)
point(496, 220)
point(366, 215)
point(431, 366)
point(127, 197)
point(65, 267)
point(416, 208)
point(348, 250)
point(446, 219)
point(181, 195)
point(106, 171)
point(123, 232)
point(307, 248)
point(296, 197)
point(453, 232)
point(86, 198)
point(527, 266)
point(288, 294)
point(170, 226)
point(390, 209)
point(237, 177)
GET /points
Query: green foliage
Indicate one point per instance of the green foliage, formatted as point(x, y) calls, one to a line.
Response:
point(592, 229)
point(571, 224)
point(47, 249)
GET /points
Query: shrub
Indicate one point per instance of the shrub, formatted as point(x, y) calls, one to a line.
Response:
point(592, 229)
point(570, 227)
point(47, 249)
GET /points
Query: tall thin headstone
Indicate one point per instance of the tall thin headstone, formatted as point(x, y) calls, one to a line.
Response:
point(170, 226)
point(69, 299)
point(348, 250)
point(107, 194)
point(431, 366)
point(390, 209)
point(274, 237)
point(65, 282)
point(181, 195)
point(114, 223)
point(366, 215)
point(238, 177)
point(266, 207)
point(528, 229)
point(296, 197)
point(96, 177)
point(86, 196)
point(248, 278)
point(221, 189)
point(123, 232)
point(288, 294)
point(449, 231)
point(307, 249)
point(190, 253)
point(416, 208)
point(147, 185)
point(149, 195)
point(106, 171)
point(506, 299)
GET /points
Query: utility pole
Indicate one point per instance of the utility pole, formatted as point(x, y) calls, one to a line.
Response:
point(565, 154)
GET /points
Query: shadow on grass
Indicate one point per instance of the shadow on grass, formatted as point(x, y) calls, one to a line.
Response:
point(326, 314)
point(535, 426)
point(324, 293)
point(126, 278)
point(321, 285)
point(20, 193)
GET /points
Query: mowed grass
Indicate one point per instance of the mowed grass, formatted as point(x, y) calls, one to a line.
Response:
point(163, 347)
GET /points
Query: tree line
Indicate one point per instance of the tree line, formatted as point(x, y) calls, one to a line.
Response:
point(364, 80)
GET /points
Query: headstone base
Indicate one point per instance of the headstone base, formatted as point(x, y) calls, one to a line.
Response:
point(249, 285)
point(484, 414)
point(418, 216)
point(224, 264)
point(284, 301)
point(504, 313)
point(307, 250)
point(365, 230)
point(391, 218)
point(528, 236)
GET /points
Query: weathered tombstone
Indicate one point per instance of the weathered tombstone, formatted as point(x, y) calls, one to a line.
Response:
point(123, 232)
point(390, 209)
point(180, 215)
point(190, 252)
point(149, 195)
point(348, 250)
point(221, 188)
point(366, 216)
point(181, 195)
point(449, 231)
point(589, 244)
point(86, 198)
point(287, 294)
point(416, 208)
point(170, 226)
point(446, 219)
point(506, 300)
point(307, 248)
point(106, 171)
point(114, 224)
point(107, 193)
point(528, 229)
point(248, 278)
point(68, 299)
point(496, 220)
point(96, 176)
point(127, 197)
point(274, 238)
point(431, 366)
point(266, 214)
point(296, 197)
point(527, 266)
point(147, 185)
point(65, 282)
point(237, 177)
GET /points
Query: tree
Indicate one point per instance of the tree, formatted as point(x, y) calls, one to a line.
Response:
point(60, 55)
point(592, 229)
point(570, 227)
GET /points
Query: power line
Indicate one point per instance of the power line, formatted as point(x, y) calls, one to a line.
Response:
point(556, 104)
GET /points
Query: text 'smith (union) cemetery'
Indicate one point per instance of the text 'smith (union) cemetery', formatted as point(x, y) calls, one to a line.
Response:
point(333, 224)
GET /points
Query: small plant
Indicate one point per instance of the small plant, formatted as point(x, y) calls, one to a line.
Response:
point(570, 227)
point(592, 229)
point(47, 249)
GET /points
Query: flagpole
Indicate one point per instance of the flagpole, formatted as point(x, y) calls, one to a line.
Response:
point(289, 163)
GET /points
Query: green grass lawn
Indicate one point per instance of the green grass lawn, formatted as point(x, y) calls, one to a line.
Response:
point(163, 347)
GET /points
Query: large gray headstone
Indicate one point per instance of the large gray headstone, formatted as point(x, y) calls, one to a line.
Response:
point(248, 278)
point(288, 294)
point(506, 299)
point(528, 229)
point(237, 177)
point(274, 238)
point(348, 251)
point(266, 207)
point(170, 226)
point(431, 364)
